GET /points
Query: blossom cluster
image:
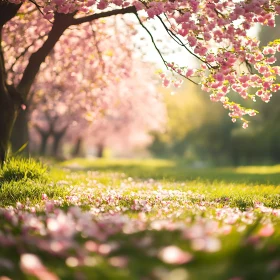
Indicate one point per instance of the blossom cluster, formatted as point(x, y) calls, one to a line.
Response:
point(216, 33)
point(104, 94)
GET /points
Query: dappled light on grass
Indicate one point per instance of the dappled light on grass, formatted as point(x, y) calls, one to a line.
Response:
point(180, 170)
point(258, 169)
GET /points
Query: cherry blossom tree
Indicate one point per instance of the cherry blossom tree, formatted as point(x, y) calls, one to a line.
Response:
point(214, 31)
point(118, 116)
point(69, 59)
point(133, 110)
point(62, 98)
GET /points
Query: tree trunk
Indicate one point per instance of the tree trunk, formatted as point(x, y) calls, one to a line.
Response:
point(100, 151)
point(60, 24)
point(57, 136)
point(20, 133)
point(56, 145)
point(44, 134)
point(78, 148)
point(9, 98)
point(43, 145)
point(8, 113)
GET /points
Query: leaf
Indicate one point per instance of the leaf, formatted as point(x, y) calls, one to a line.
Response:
point(21, 148)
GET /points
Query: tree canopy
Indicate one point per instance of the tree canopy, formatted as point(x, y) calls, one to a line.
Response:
point(215, 32)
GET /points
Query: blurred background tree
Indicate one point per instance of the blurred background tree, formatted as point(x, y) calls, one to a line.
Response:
point(197, 130)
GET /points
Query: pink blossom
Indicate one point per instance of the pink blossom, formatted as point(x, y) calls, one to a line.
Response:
point(174, 255)
point(207, 36)
point(166, 82)
point(269, 50)
point(219, 77)
point(189, 73)
point(192, 41)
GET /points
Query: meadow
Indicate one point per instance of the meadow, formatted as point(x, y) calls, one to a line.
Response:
point(138, 219)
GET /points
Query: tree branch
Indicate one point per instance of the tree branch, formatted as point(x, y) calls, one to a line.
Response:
point(128, 10)
point(97, 47)
point(153, 41)
point(61, 23)
point(180, 43)
point(38, 7)
point(7, 11)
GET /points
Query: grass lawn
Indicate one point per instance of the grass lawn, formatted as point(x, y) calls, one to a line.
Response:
point(138, 219)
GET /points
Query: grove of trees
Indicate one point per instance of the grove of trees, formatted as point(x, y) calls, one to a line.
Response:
point(39, 34)
point(118, 115)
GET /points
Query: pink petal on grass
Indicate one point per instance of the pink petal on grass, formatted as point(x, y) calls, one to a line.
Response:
point(91, 246)
point(119, 261)
point(32, 265)
point(104, 249)
point(266, 230)
point(174, 255)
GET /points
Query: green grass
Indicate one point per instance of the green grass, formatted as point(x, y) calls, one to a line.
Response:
point(26, 179)
point(173, 170)
point(241, 186)
point(154, 203)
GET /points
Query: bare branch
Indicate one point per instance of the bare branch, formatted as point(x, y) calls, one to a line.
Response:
point(38, 7)
point(128, 10)
point(159, 52)
point(153, 41)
